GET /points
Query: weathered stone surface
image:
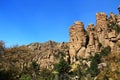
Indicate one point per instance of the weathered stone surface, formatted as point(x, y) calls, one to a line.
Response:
point(118, 20)
point(102, 65)
point(90, 28)
point(101, 20)
point(77, 39)
point(48, 53)
point(81, 53)
point(84, 43)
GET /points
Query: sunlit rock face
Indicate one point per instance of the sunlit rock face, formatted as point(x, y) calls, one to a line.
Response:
point(77, 40)
point(84, 43)
point(49, 53)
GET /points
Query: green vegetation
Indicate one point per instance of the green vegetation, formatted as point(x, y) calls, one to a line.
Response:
point(93, 69)
point(112, 71)
point(63, 69)
point(100, 45)
point(95, 60)
point(25, 77)
point(35, 69)
point(114, 26)
point(16, 64)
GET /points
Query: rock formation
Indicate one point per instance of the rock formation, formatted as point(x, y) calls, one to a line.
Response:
point(77, 40)
point(94, 52)
point(84, 43)
point(48, 53)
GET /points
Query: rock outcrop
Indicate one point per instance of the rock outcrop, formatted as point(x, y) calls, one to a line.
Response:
point(48, 53)
point(91, 54)
point(84, 43)
point(77, 40)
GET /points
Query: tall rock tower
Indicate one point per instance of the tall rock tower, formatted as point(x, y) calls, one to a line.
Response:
point(77, 41)
point(86, 43)
point(106, 35)
point(101, 20)
point(101, 28)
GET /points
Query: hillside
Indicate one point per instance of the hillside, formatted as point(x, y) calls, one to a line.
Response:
point(91, 54)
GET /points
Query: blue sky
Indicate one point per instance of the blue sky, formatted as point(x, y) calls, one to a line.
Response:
point(27, 21)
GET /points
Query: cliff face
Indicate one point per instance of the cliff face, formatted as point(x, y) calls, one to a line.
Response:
point(84, 43)
point(77, 41)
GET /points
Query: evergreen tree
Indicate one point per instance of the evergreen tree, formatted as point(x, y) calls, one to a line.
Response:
point(62, 68)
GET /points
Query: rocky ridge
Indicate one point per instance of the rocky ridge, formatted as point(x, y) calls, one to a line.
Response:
point(83, 43)
point(48, 53)
point(86, 43)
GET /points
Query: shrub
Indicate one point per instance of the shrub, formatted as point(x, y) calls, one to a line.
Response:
point(62, 68)
point(93, 69)
point(105, 51)
point(95, 60)
point(114, 26)
point(25, 77)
